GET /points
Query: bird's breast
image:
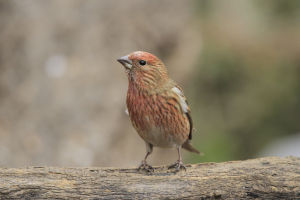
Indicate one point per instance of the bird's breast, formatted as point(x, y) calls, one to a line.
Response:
point(156, 120)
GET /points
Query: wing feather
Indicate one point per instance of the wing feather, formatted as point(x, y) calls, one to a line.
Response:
point(184, 107)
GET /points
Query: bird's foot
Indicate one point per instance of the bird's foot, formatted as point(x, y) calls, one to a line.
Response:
point(178, 166)
point(145, 166)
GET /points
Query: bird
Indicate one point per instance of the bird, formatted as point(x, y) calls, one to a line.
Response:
point(157, 107)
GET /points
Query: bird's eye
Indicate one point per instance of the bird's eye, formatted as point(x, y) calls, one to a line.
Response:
point(142, 62)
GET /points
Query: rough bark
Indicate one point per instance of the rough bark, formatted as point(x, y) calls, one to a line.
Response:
point(264, 178)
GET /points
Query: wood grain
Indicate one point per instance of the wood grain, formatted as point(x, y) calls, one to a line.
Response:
point(263, 178)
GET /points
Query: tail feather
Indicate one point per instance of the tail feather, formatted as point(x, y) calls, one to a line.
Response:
point(188, 146)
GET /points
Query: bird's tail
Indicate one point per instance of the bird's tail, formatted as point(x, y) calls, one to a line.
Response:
point(188, 146)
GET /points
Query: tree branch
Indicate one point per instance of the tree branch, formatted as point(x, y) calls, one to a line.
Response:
point(264, 178)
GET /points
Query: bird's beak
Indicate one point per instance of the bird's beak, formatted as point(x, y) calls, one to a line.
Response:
point(126, 62)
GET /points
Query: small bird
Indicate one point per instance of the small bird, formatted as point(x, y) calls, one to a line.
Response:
point(157, 106)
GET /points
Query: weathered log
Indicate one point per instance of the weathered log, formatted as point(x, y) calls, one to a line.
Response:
point(263, 178)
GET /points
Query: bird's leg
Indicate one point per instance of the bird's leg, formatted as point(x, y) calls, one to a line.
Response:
point(144, 165)
point(179, 164)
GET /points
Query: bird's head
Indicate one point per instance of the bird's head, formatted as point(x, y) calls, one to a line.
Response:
point(144, 69)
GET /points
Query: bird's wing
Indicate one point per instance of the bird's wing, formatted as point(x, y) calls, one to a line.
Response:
point(184, 107)
point(182, 99)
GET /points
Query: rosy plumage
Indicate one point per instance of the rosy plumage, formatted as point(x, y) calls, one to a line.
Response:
point(157, 106)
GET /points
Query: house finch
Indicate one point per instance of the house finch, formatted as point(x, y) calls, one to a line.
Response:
point(157, 106)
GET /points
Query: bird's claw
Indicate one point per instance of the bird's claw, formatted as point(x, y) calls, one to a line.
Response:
point(178, 166)
point(146, 167)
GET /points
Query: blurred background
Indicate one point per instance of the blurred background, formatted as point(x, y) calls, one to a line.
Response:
point(62, 93)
